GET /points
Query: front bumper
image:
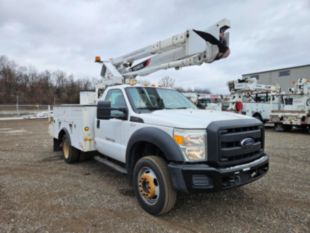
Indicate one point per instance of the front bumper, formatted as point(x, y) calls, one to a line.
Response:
point(202, 177)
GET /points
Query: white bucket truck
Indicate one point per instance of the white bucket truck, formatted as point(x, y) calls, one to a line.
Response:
point(253, 99)
point(295, 109)
point(155, 135)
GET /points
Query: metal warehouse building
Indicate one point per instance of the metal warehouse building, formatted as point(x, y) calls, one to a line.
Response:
point(284, 76)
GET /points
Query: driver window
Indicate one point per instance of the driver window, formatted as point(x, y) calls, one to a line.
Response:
point(117, 100)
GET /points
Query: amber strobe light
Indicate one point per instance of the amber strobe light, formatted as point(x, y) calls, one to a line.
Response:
point(98, 59)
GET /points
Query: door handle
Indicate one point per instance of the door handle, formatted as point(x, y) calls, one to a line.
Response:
point(98, 124)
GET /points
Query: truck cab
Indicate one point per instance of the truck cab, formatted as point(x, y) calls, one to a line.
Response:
point(203, 150)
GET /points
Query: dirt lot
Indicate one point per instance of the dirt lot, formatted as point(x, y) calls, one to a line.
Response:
point(40, 193)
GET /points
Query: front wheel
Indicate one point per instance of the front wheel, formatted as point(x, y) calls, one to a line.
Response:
point(152, 185)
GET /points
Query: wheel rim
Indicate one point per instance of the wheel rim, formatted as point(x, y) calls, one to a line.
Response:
point(66, 150)
point(148, 184)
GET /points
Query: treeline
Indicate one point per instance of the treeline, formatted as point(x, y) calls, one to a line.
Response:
point(194, 90)
point(28, 86)
point(170, 82)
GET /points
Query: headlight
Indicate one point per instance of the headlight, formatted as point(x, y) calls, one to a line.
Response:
point(192, 143)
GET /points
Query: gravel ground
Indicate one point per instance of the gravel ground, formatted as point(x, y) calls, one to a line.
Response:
point(40, 193)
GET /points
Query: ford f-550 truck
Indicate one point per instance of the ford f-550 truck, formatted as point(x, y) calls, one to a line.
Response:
point(156, 135)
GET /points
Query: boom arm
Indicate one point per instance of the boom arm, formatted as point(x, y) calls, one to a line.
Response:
point(191, 47)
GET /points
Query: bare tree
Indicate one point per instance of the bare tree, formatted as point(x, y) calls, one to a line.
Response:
point(166, 82)
point(196, 90)
point(144, 82)
point(33, 87)
point(202, 90)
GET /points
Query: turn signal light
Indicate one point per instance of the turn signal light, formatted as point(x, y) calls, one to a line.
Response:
point(179, 139)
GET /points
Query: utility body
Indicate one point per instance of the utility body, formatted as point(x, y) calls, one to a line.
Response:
point(156, 135)
point(252, 99)
point(295, 110)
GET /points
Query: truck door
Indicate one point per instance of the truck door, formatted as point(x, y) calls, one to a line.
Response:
point(109, 132)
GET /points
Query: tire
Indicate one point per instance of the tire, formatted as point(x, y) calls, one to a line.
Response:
point(152, 185)
point(287, 128)
point(278, 127)
point(70, 154)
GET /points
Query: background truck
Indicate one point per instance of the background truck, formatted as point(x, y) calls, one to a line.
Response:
point(295, 110)
point(156, 135)
point(253, 99)
point(210, 102)
point(205, 101)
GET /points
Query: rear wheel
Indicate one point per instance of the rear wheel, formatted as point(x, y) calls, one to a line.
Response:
point(279, 127)
point(287, 128)
point(70, 154)
point(152, 185)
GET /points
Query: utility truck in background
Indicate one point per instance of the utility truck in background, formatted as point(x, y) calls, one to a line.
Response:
point(157, 136)
point(252, 99)
point(205, 101)
point(295, 111)
point(210, 102)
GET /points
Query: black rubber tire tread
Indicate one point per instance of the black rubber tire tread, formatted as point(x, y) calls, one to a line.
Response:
point(74, 154)
point(287, 128)
point(160, 167)
point(278, 127)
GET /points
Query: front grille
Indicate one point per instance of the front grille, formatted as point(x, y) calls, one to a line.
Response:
point(224, 142)
point(231, 151)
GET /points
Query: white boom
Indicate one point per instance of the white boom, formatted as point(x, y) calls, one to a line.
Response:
point(192, 47)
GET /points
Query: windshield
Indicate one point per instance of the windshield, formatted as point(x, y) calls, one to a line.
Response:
point(145, 99)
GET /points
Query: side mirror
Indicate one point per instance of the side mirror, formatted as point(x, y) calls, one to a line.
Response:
point(103, 110)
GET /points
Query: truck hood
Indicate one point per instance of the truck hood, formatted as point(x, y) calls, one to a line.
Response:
point(193, 119)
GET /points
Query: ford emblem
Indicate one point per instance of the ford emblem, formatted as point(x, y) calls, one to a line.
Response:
point(247, 142)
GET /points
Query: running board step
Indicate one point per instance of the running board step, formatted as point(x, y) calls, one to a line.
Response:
point(111, 164)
